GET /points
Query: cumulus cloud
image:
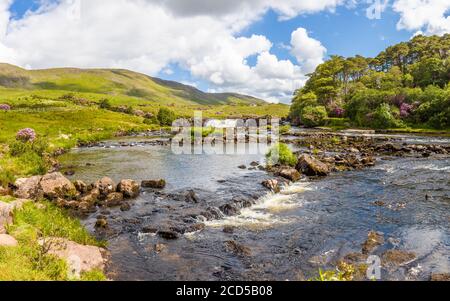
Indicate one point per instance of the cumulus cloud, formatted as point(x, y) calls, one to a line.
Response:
point(427, 15)
point(308, 51)
point(201, 36)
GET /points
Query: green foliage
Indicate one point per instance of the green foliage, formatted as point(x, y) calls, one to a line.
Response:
point(94, 275)
point(284, 129)
point(104, 104)
point(51, 222)
point(314, 116)
point(166, 117)
point(280, 153)
point(28, 262)
point(415, 73)
point(383, 118)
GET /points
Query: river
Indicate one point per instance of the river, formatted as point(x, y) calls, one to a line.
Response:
point(308, 226)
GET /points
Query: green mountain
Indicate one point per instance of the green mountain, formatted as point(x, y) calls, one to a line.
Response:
point(115, 82)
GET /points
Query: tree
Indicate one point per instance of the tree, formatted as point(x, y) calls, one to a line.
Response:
point(314, 116)
point(166, 117)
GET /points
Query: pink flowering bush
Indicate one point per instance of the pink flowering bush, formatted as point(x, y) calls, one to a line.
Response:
point(405, 110)
point(26, 135)
point(5, 107)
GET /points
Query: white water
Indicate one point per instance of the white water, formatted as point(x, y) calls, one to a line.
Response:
point(264, 214)
point(220, 124)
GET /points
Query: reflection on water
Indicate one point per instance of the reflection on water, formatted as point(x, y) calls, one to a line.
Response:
point(284, 231)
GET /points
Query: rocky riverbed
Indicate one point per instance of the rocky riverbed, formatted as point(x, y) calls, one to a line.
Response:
point(225, 217)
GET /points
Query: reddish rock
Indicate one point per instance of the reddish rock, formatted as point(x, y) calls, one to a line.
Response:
point(55, 185)
point(129, 188)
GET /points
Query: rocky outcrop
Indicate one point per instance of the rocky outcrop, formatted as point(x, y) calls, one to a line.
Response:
point(310, 166)
point(155, 184)
point(28, 188)
point(374, 240)
point(237, 249)
point(230, 210)
point(129, 188)
point(105, 186)
point(80, 186)
point(271, 185)
point(290, 173)
point(440, 277)
point(80, 258)
point(7, 241)
point(55, 185)
point(114, 199)
point(168, 234)
point(397, 258)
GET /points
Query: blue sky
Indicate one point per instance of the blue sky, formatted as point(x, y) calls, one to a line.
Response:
point(239, 46)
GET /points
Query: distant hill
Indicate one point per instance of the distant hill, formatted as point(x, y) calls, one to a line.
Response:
point(115, 82)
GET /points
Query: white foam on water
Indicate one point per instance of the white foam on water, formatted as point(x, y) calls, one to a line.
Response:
point(264, 214)
point(431, 167)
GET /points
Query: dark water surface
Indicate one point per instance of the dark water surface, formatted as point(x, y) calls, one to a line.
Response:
point(310, 225)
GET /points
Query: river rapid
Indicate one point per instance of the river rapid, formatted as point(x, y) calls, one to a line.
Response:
point(290, 235)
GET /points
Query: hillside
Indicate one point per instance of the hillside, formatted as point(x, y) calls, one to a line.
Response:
point(115, 82)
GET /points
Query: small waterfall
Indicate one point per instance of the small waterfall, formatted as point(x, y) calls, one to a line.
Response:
point(220, 124)
point(264, 214)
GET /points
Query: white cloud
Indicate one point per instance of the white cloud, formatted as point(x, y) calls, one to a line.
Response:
point(427, 15)
point(201, 36)
point(308, 51)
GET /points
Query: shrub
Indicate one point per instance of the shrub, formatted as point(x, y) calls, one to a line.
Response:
point(314, 116)
point(281, 154)
point(166, 117)
point(383, 118)
point(284, 129)
point(405, 110)
point(301, 101)
point(26, 135)
point(152, 120)
point(105, 104)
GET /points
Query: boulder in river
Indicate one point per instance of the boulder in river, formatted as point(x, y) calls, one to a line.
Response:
point(125, 207)
point(230, 210)
point(374, 240)
point(80, 186)
point(310, 166)
point(272, 185)
point(155, 184)
point(397, 257)
point(290, 173)
point(129, 188)
point(114, 199)
point(28, 188)
point(55, 185)
point(168, 234)
point(105, 186)
point(440, 277)
point(237, 248)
